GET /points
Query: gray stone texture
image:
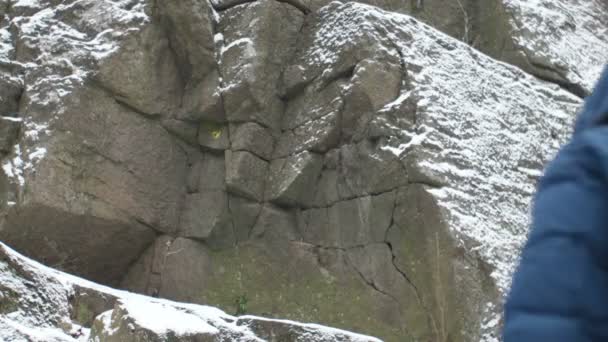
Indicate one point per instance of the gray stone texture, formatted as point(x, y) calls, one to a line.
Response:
point(245, 174)
point(312, 160)
point(251, 60)
point(253, 138)
point(292, 180)
point(9, 132)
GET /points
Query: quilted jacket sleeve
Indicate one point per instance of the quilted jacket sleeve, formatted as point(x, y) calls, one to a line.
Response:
point(560, 290)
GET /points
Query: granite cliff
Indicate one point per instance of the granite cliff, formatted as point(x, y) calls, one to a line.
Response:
point(367, 166)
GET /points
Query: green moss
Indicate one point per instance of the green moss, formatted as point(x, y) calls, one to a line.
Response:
point(83, 314)
point(241, 305)
point(298, 292)
point(215, 130)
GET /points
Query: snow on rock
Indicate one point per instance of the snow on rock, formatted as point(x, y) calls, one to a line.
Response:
point(40, 304)
point(568, 36)
point(52, 52)
point(482, 129)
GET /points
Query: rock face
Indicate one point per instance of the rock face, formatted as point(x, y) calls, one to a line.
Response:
point(41, 304)
point(559, 41)
point(317, 161)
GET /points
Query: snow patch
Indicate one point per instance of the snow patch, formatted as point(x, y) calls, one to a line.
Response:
point(49, 304)
point(162, 318)
point(567, 34)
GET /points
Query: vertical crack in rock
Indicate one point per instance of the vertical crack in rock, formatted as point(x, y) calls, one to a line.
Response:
point(371, 284)
point(431, 318)
point(334, 56)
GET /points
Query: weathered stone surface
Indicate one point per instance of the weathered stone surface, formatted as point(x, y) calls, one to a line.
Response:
point(291, 181)
point(371, 262)
point(253, 138)
point(120, 325)
point(326, 191)
point(204, 102)
point(374, 84)
point(10, 94)
point(185, 131)
point(530, 35)
point(190, 28)
point(9, 132)
point(86, 304)
point(144, 276)
point(194, 174)
point(250, 60)
point(244, 214)
point(368, 169)
point(184, 271)
point(203, 213)
point(305, 283)
point(189, 25)
point(359, 157)
point(318, 136)
point(274, 224)
point(127, 73)
point(212, 173)
point(349, 223)
point(245, 175)
point(271, 330)
point(539, 31)
point(94, 179)
point(312, 103)
point(39, 303)
point(424, 250)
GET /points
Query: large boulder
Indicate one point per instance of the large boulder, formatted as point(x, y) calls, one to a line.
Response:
point(559, 41)
point(38, 303)
point(80, 186)
point(317, 161)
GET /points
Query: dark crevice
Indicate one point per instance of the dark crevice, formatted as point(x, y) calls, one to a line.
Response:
point(95, 151)
point(305, 10)
point(225, 5)
point(335, 248)
point(427, 184)
point(255, 222)
point(245, 149)
point(136, 259)
point(345, 199)
point(300, 91)
point(430, 317)
point(405, 87)
point(121, 100)
point(561, 80)
point(167, 27)
point(293, 129)
point(344, 74)
point(574, 89)
point(149, 226)
point(228, 4)
point(228, 207)
point(372, 285)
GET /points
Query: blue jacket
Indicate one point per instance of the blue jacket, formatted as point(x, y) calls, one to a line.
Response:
point(560, 290)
